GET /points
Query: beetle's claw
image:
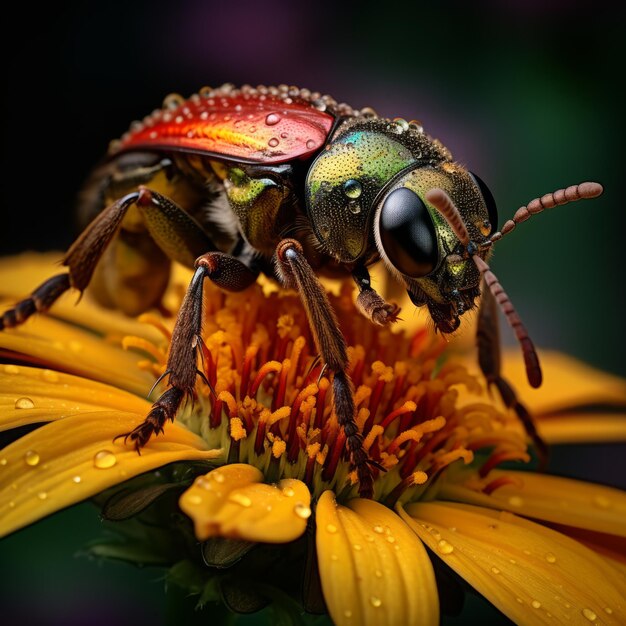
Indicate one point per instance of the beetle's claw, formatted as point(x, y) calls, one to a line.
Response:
point(386, 314)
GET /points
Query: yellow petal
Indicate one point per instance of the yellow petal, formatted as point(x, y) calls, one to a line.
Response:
point(582, 427)
point(30, 395)
point(19, 275)
point(567, 383)
point(232, 502)
point(69, 460)
point(372, 567)
point(67, 348)
point(551, 498)
point(532, 574)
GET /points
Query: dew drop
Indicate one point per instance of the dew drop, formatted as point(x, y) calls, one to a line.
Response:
point(310, 144)
point(375, 601)
point(76, 479)
point(347, 613)
point(520, 600)
point(3, 461)
point(378, 573)
point(357, 547)
point(24, 403)
point(273, 142)
point(11, 504)
point(50, 376)
point(516, 501)
point(334, 557)
point(354, 207)
point(75, 346)
point(495, 570)
point(31, 458)
point(217, 477)
point(302, 510)
point(550, 558)
point(602, 502)
point(444, 547)
point(240, 498)
point(272, 119)
point(11, 369)
point(379, 529)
point(608, 610)
point(194, 499)
point(590, 615)
point(391, 539)
point(42, 495)
point(203, 483)
point(104, 459)
point(369, 538)
point(352, 188)
point(324, 230)
point(172, 101)
point(289, 492)
point(331, 528)
point(535, 604)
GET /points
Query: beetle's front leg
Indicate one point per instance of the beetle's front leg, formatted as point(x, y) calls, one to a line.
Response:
point(488, 344)
point(226, 272)
point(296, 272)
point(370, 303)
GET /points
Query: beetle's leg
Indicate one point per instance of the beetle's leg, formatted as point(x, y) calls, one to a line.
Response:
point(81, 260)
point(370, 303)
point(230, 274)
point(488, 344)
point(296, 272)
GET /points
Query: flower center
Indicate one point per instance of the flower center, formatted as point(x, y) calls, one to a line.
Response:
point(274, 405)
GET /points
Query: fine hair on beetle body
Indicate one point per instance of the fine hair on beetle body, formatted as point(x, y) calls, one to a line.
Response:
point(234, 182)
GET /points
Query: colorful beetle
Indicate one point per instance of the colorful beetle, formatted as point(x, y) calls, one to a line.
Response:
point(284, 181)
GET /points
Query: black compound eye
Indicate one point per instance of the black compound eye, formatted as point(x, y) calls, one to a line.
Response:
point(407, 233)
point(492, 211)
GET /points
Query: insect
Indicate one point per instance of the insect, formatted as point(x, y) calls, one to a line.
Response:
point(280, 180)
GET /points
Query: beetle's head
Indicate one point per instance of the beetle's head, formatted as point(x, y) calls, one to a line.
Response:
point(419, 246)
point(344, 181)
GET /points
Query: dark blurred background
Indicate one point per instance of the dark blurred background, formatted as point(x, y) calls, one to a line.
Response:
point(523, 92)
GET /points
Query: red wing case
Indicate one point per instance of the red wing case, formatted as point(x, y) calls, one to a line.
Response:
point(264, 125)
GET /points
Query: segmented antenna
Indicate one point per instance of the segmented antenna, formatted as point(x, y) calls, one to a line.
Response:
point(583, 191)
point(443, 203)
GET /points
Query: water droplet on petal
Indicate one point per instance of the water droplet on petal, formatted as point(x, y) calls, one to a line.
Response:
point(3, 461)
point(444, 547)
point(602, 502)
point(240, 498)
point(217, 477)
point(42, 495)
point(590, 615)
point(334, 557)
point(357, 547)
point(272, 119)
point(50, 376)
point(11, 504)
point(550, 557)
point(378, 573)
point(608, 610)
point(273, 142)
point(11, 369)
point(302, 510)
point(331, 528)
point(289, 492)
point(347, 613)
point(391, 539)
point(516, 501)
point(104, 459)
point(379, 529)
point(520, 600)
point(495, 570)
point(193, 499)
point(31, 458)
point(76, 479)
point(375, 601)
point(535, 604)
point(24, 403)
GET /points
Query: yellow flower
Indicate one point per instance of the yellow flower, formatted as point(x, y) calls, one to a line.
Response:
point(269, 458)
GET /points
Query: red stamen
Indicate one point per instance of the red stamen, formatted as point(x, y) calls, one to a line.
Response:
point(267, 368)
point(407, 407)
point(357, 374)
point(373, 404)
point(321, 403)
point(215, 420)
point(279, 395)
point(332, 460)
point(248, 363)
point(500, 457)
point(501, 481)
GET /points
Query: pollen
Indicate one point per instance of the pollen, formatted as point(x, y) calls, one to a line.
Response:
point(274, 406)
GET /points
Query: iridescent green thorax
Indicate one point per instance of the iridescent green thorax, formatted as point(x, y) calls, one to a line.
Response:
point(346, 178)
